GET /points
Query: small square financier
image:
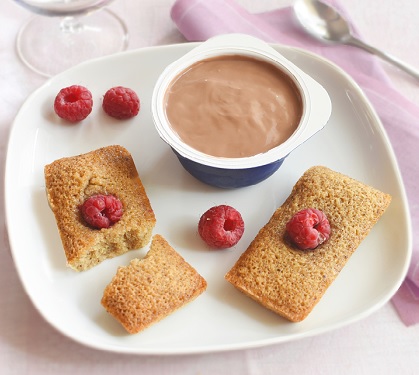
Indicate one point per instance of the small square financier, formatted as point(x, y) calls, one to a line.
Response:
point(109, 171)
point(150, 289)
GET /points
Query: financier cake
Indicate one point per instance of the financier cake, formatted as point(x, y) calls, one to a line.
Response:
point(290, 281)
point(149, 289)
point(108, 171)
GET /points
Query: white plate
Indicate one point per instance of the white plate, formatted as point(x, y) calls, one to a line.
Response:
point(353, 142)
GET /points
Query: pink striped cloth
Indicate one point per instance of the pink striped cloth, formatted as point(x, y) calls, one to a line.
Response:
point(199, 20)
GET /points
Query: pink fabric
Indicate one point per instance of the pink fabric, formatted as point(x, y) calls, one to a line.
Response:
point(199, 20)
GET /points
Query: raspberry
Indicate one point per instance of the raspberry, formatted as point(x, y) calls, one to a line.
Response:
point(308, 228)
point(121, 103)
point(221, 227)
point(73, 103)
point(101, 211)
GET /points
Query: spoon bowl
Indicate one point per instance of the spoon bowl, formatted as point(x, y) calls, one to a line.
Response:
point(322, 21)
point(325, 23)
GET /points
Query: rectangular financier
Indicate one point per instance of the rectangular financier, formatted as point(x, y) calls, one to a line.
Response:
point(290, 281)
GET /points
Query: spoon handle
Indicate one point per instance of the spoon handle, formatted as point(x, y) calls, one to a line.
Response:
point(385, 56)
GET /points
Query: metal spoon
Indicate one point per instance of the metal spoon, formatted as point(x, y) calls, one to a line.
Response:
point(325, 23)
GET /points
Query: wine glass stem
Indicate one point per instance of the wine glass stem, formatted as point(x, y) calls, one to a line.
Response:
point(71, 25)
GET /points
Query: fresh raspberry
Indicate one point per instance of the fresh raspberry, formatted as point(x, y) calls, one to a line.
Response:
point(121, 103)
point(73, 103)
point(221, 227)
point(308, 228)
point(101, 211)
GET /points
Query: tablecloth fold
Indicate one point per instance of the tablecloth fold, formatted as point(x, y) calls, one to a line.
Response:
point(199, 20)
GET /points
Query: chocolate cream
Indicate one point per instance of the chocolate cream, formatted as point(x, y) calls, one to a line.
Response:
point(233, 106)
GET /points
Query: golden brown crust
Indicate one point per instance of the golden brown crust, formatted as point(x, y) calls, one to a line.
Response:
point(108, 170)
point(148, 290)
point(290, 281)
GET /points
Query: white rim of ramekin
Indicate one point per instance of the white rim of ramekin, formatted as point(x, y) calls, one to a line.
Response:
point(165, 131)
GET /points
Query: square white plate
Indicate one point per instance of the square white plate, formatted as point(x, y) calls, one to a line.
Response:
point(353, 142)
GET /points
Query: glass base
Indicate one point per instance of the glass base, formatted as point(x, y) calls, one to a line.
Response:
point(50, 45)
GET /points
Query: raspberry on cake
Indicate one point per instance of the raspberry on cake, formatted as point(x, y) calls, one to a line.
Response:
point(108, 171)
point(308, 229)
point(101, 211)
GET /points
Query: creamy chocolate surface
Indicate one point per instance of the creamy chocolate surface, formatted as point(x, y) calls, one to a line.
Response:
point(233, 106)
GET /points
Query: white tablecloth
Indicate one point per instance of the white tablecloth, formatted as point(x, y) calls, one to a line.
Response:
point(379, 344)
